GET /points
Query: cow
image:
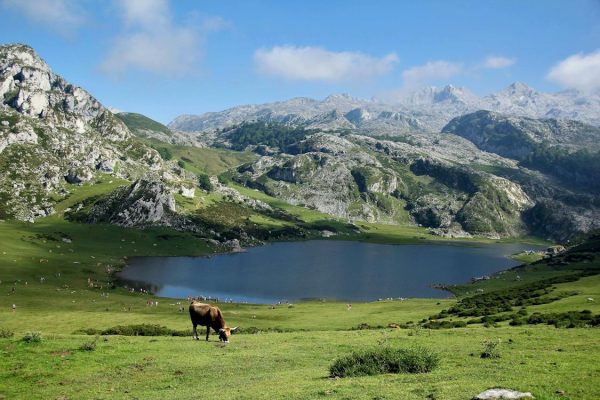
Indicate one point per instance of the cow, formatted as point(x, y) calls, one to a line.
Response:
point(211, 317)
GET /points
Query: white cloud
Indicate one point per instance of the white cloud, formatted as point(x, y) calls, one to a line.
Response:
point(318, 64)
point(152, 41)
point(429, 72)
point(62, 15)
point(146, 13)
point(498, 62)
point(579, 71)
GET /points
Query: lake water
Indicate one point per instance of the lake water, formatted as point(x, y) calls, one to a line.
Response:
point(292, 271)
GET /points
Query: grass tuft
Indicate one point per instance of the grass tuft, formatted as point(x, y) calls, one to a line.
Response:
point(385, 360)
point(32, 337)
point(490, 349)
point(6, 333)
point(89, 346)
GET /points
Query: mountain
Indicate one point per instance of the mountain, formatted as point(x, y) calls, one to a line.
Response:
point(561, 157)
point(54, 134)
point(425, 110)
point(520, 100)
point(482, 173)
point(516, 137)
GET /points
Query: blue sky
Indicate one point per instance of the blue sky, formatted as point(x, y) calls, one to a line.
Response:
point(164, 58)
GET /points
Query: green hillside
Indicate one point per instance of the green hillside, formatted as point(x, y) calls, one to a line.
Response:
point(138, 122)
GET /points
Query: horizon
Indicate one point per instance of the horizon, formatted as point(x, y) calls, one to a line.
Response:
point(163, 59)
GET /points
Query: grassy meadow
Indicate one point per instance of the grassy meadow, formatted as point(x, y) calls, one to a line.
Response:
point(286, 357)
point(59, 276)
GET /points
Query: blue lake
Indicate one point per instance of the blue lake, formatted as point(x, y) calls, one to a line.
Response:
point(292, 271)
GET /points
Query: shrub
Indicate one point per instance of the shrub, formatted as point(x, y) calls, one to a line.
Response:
point(385, 360)
point(165, 153)
point(135, 330)
point(32, 337)
point(490, 349)
point(89, 346)
point(204, 182)
point(143, 330)
point(6, 333)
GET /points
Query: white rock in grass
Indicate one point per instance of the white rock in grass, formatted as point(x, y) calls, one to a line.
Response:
point(502, 394)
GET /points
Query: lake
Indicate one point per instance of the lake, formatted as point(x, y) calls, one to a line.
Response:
point(292, 271)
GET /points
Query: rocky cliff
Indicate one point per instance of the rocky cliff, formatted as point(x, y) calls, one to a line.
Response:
point(53, 134)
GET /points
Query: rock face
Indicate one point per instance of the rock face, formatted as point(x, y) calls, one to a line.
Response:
point(146, 202)
point(53, 134)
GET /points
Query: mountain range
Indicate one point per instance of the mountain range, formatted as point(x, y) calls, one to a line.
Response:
point(426, 110)
point(437, 158)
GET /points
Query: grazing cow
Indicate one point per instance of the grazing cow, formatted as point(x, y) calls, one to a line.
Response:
point(211, 317)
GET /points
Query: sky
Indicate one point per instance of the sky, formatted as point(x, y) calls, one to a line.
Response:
point(165, 58)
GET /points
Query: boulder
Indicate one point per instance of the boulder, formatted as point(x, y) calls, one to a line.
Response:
point(502, 394)
point(188, 192)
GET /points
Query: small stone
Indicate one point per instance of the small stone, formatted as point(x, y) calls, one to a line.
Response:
point(5, 123)
point(502, 394)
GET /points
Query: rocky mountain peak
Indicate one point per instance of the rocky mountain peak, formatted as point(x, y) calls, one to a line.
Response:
point(338, 96)
point(518, 90)
point(29, 86)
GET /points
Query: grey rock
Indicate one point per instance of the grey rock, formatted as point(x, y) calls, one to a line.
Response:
point(147, 201)
point(502, 394)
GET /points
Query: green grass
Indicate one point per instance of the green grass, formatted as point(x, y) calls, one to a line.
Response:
point(203, 160)
point(137, 122)
point(527, 258)
point(293, 364)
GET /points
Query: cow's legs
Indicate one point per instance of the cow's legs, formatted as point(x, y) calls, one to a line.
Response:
point(195, 334)
point(207, 332)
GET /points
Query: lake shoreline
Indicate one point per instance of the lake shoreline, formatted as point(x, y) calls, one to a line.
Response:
point(355, 281)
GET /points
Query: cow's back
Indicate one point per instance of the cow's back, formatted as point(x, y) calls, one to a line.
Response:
point(203, 314)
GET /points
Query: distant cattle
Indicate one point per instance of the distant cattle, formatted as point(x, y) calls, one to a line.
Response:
point(211, 317)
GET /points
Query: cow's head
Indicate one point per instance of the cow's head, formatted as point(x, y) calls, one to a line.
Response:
point(224, 333)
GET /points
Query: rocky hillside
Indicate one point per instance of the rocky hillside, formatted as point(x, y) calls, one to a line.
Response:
point(54, 134)
point(516, 137)
point(416, 181)
point(443, 181)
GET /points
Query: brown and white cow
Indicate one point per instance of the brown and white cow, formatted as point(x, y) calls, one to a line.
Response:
point(211, 317)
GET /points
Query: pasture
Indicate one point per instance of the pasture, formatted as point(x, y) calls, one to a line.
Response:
point(285, 351)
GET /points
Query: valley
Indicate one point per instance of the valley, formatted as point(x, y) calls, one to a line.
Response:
point(83, 190)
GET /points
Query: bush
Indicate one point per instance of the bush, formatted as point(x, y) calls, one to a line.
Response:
point(165, 153)
point(143, 330)
point(204, 183)
point(32, 337)
point(490, 349)
point(385, 360)
point(6, 333)
point(135, 330)
point(89, 346)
